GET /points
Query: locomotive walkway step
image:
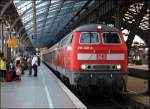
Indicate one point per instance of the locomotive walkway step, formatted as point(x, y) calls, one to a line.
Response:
point(43, 91)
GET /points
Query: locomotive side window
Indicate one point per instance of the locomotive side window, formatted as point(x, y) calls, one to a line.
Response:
point(89, 38)
point(59, 45)
point(70, 39)
point(65, 41)
point(111, 38)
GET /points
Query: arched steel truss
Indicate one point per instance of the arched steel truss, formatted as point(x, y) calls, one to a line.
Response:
point(44, 19)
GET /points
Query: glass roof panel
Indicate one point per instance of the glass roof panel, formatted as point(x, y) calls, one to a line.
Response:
point(55, 1)
point(40, 9)
point(46, 15)
point(42, 4)
point(39, 12)
point(29, 24)
point(27, 18)
point(38, 1)
point(40, 19)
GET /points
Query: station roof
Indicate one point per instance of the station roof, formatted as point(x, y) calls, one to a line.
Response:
point(132, 11)
point(43, 19)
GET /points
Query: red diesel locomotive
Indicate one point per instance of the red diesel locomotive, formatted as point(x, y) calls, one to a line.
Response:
point(92, 54)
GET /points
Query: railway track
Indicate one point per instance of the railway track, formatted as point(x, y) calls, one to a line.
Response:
point(114, 102)
point(120, 105)
point(101, 102)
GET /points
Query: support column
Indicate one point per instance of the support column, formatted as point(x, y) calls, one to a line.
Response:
point(148, 4)
point(134, 26)
point(130, 40)
point(0, 34)
point(149, 62)
point(8, 48)
point(2, 38)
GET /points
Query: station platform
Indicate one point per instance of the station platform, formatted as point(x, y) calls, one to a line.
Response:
point(137, 89)
point(43, 91)
point(142, 67)
point(140, 71)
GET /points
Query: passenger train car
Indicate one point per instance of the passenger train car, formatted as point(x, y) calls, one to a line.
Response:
point(91, 55)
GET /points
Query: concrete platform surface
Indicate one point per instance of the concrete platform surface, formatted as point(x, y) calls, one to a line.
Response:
point(43, 91)
point(142, 67)
point(137, 89)
point(140, 71)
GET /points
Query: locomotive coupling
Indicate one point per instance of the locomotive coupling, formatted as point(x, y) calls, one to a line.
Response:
point(90, 76)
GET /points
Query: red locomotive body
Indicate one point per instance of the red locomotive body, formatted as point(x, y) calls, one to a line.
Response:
point(91, 55)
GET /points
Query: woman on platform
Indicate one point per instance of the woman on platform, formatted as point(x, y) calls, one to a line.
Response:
point(18, 70)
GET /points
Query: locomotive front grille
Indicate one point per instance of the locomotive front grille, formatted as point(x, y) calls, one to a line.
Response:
point(100, 67)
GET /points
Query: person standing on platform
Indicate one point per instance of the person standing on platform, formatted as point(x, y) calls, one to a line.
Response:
point(18, 57)
point(22, 64)
point(2, 66)
point(1, 75)
point(18, 66)
point(35, 64)
point(29, 63)
point(18, 70)
point(39, 60)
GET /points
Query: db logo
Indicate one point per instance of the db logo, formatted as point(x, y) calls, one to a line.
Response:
point(101, 56)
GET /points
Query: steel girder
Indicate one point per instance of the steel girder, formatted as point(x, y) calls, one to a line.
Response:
point(134, 26)
point(7, 10)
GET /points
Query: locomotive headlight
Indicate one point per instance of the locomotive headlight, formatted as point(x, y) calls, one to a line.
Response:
point(99, 27)
point(118, 67)
point(83, 67)
point(69, 48)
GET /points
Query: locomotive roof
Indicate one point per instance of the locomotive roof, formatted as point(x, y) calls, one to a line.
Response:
point(94, 27)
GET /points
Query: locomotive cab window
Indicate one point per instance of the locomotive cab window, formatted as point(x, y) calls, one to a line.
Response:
point(69, 39)
point(89, 38)
point(111, 38)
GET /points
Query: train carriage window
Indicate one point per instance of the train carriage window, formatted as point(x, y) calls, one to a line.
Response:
point(111, 38)
point(89, 38)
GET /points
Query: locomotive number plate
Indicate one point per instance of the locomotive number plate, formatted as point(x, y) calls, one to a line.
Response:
point(101, 56)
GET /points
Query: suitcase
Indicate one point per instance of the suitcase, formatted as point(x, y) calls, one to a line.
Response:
point(8, 76)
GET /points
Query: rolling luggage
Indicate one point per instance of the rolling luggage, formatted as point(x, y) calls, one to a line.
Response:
point(8, 76)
